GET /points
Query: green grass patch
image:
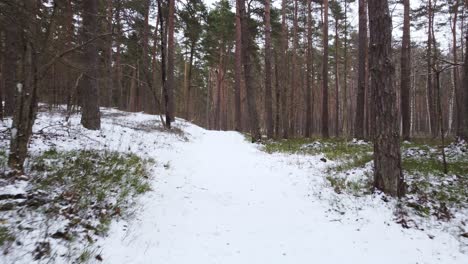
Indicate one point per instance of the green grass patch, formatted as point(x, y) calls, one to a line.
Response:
point(434, 166)
point(5, 236)
point(430, 191)
point(90, 182)
point(333, 149)
point(3, 160)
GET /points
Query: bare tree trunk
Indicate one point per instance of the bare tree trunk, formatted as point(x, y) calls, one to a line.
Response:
point(109, 51)
point(247, 46)
point(238, 71)
point(268, 88)
point(90, 118)
point(325, 132)
point(362, 72)
point(295, 70)
point(278, 98)
point(430, 85)
point(284, 69)
point(456, 72)
point(337, 82)
point(464, 129)
point(26, 89)
point(188, 99)
point(119, 94)
point(145, 94)
point(170, 65)
point(406, 73)
point(309, 114)
point(12, 42)
point(345, 87)
point(388, 175)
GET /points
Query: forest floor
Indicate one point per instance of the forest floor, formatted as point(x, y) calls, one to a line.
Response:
point(198, 196)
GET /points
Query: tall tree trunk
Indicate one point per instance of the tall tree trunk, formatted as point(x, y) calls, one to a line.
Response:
point(430, 84)
point(464, 129)
point(90, 117)
point(238, 71)
point(188, 99)
point(337, 82)
point(119, 93)
point(294, 72)
point(284, 69)
point(12, 42)
point(325, 132)
point(109, 51)
point(456, 73)
point(247, 50)
point(405, 68)
point(170, 65)
point(309, 114)
point(388, 175)
point(268, 88)
point(163, 34)
point(345, 87)
point(145, 94)
point(26, 88)
point(278, 98)
point(362, 72)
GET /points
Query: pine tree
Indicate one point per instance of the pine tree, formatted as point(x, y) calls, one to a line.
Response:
point(388, 175)
point(90, 118)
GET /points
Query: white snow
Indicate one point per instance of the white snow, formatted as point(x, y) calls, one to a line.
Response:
point(219, 199)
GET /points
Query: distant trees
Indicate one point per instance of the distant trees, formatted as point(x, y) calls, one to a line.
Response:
point(266, 71)
point(388, 175)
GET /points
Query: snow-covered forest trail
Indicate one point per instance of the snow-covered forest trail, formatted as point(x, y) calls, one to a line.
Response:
point(220, 199)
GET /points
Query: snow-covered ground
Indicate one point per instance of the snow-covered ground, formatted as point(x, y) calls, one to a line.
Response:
point(217, 198)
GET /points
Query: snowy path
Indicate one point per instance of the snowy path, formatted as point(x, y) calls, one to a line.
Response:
point(221, 200)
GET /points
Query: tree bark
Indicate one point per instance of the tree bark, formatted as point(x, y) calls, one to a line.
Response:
point(170, 65)
point(12, 42)
point(308, 125)
point(284, 69)
point(388, 175)
point(464, 117)
point(238, 71)
point(430, 83)
point(325, 132)
point(362, 72)
point(90, 117)
point(118, 94)
point(405, 68)
point(337, 81)
point(247, 50)
point(456, 73)
point(295, 71)
point(109, 57)
point(26, 88)
point(268, 87)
